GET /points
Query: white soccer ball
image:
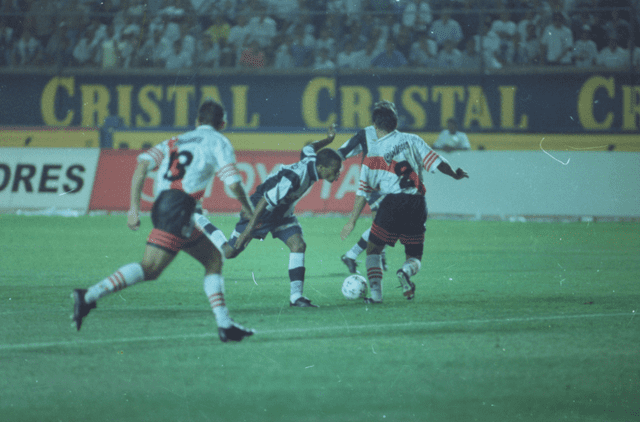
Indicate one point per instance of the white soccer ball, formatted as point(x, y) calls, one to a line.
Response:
point(354, 287)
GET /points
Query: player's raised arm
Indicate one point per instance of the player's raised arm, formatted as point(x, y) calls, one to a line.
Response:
point(445, 168)
point(331, 134)
point(137, 183)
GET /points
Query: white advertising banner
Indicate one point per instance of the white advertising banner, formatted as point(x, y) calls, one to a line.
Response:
point(44, 178)
point(539, 183)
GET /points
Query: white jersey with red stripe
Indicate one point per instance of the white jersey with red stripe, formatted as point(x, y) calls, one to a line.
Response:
point(395, 164)
point(188, 162)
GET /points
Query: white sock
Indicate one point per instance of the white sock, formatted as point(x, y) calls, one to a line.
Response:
point(411, 266)
point(214, 289)
point(374, 275)
point(296, 274)
point(360, 246)
point(126, 276)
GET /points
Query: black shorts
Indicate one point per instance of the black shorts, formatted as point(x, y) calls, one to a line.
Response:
point(173, 228)
point(400, 217)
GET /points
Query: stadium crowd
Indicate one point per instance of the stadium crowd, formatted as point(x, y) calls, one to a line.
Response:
point(319, 34)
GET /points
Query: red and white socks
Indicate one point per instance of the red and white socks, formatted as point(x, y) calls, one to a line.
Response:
point(124, 277)
point(214, 289)
point(374, 275)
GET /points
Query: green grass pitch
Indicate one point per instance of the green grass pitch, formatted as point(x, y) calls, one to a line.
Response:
point(511, 322)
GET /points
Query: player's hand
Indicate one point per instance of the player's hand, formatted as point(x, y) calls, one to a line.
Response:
point(133, 220)
point(461, 174)
point(229, 251)
point(331, 133)
point(347, 229)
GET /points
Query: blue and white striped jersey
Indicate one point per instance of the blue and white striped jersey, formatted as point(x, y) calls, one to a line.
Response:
point(284, 188)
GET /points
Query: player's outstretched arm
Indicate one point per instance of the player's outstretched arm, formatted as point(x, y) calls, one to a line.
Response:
point(358, 206)
point(240, 194)
point(331, 134)
point(245, 236)
point(137, 182)
point(445, 168)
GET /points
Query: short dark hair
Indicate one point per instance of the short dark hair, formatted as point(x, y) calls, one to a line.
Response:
point(327, 156)
point(385, 116)
point(211, 113)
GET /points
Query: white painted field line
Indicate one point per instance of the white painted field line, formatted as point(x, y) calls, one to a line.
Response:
point(350, 328)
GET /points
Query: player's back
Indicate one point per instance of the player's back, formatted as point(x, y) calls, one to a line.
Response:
point(395, 164)
point(192, 159)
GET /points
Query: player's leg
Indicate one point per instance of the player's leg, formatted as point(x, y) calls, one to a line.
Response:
point(290, 232)
point(210, 258)
point(412, 238)
point(349, 258)
point(155, 260)
point(374, 269)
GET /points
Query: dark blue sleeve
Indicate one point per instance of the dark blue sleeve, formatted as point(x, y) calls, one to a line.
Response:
point(359, 138)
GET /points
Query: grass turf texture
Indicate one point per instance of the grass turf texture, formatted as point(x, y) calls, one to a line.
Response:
point(511, 322)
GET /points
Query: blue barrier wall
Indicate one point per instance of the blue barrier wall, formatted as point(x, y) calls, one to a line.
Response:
point(534, 103)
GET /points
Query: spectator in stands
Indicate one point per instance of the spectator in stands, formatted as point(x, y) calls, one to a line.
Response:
point(446, 28)
point(126, 48)
point(356, 36)
point(451, 139)
point(404, 40)
point(505, 29)
point(424, 51)
point(107, 52)
point(557, 42)
point(262, 28)
point(585, 51)
point(417, 15)
point(471, 59)
point(82, 53)
point(238, 32)
point(283, 58)
point(635, 55)
point(153, 51)
point(326, 41)
point(449, 57)
point(613, 56)
point(528, 50)
point(179, 58)
point(218, 30)
point(253, 56)
point(6, 43)
point(365, 56)
point(27, 50)
point(58, 51)
point(301, 52)
point(488, 45)
point(530, 18)
point(617, 28)
point(208, 53)
point(323, 61)
point(41, 20)
point(390, 58)
point(347, 58)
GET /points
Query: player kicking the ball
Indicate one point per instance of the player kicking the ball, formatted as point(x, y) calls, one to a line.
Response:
point(185, 166)
point(275, 200)
point(393, 167)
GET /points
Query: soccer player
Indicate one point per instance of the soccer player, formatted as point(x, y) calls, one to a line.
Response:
point(185, 166)
point(274, 201)
point(361, 143)
point(394, 166)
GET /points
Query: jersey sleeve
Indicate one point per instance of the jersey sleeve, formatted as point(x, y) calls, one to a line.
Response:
point(155, 155)
point(225, 157)
point(430, 159)
point(353, 146)
point(307, 152)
